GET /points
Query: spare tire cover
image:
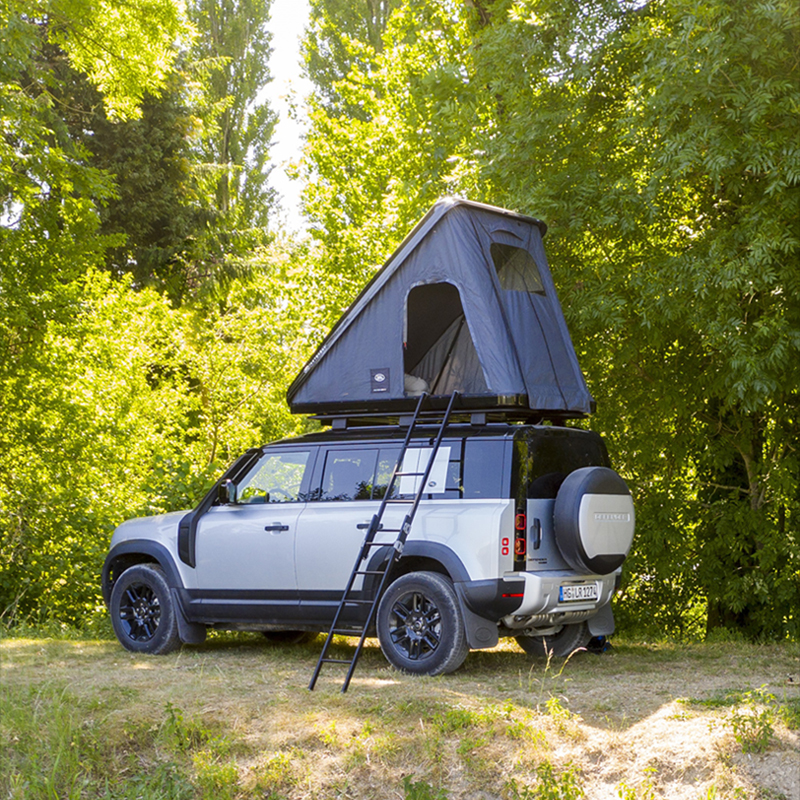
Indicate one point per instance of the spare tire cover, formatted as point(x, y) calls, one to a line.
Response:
point(594, 520)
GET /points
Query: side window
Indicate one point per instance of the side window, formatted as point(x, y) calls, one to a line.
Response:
point(465, 469)
point(349, 474)
point(475, 470)
point(484, 469)
point(275, 478)
point(387, 460)
point(516, 269)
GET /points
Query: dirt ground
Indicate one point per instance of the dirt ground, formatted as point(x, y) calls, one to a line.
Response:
point(642, 721)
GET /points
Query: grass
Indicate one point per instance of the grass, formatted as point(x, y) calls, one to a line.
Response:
point(233, 720)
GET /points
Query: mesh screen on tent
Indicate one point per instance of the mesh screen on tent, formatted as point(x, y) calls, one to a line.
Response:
point(446, 360)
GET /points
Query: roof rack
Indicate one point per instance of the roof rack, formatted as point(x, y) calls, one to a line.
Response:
point(473, 417)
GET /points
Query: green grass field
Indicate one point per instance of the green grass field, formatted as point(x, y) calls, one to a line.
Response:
point(83, 718)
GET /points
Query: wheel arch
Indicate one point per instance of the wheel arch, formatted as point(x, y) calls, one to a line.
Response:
point(133, 552)
point(417, 557)
point(430, 557)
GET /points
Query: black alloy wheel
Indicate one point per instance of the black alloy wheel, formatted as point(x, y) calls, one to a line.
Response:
point(142, 611)
point(419, 624)
point(415, 625)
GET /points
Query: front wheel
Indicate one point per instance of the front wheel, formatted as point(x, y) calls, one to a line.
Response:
point(562, 644)
point(420, 627)
point(142, 612)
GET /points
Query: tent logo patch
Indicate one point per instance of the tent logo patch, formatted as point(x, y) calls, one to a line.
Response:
point(379, 380)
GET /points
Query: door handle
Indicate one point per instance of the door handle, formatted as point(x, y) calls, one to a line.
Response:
point(362, 526)
point(276, 527)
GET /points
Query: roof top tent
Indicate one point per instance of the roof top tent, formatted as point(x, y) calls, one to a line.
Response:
point(466, 303)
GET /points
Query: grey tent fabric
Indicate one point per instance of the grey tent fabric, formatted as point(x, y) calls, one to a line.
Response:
point(465, 303)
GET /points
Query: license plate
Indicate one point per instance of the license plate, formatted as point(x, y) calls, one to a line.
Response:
point(577, 592)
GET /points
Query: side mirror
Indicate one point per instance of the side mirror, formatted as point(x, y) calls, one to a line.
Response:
point(226, 492)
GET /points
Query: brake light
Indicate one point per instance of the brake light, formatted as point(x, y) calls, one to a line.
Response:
point(519, 521)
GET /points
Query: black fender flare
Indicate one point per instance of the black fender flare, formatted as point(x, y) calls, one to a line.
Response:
point(133, 548)
point(434, 551)
point(481, 632)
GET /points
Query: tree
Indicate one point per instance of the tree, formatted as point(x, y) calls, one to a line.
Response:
point(49, 243)
point(344, 37)
point(49, 194)
point(234, 46)
point(658, 142)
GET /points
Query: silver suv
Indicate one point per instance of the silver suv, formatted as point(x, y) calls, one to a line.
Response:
point(521, 531)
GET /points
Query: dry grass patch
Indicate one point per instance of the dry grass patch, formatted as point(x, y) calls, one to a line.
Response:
point(233, 719)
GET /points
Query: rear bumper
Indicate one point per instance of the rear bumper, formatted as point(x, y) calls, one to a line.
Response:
point(540, 594)
point(494, 598)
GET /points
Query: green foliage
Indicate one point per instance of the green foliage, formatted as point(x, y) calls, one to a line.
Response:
point(50, 749)
point(660, 143)
point(421, 790)
point(752, 722)
point(343, 37)
point(233, 47)
point(551, 785)
point(131, 408)
point(789, 712)
point(125, 48)
point(159, 212)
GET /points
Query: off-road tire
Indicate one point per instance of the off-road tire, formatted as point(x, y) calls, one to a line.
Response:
point(420, 627)
point(562, 644)
point(142, 612)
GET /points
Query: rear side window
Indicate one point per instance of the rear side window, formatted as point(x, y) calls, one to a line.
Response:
point(478, 473)
point(474, 470)
point(545, 459)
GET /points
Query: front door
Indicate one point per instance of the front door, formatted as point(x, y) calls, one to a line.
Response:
point(245, 549)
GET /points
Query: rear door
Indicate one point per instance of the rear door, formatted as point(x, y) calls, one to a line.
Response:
point(350, 483)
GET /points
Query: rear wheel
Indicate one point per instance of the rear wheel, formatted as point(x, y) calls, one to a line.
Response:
point(142, 612)
point(420, 627)
point(562, 644)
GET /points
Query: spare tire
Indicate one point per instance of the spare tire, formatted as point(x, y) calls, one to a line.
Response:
point(593, 520)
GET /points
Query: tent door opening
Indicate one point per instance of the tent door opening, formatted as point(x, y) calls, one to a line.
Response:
point(440, 355)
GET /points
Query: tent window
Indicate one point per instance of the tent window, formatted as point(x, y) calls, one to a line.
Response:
point(440, 355)
point(516, 269)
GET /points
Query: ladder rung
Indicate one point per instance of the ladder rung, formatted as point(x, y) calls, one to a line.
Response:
point(358, 602)
point(408, 474)
point(336, 661)
point(395, 501)
point(369, 571)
